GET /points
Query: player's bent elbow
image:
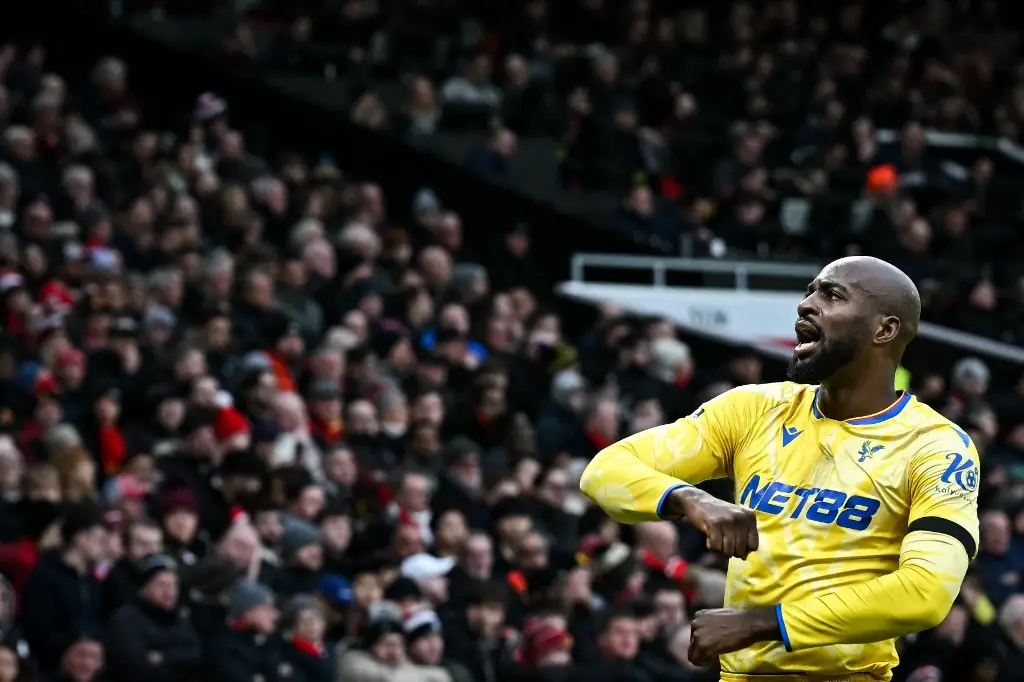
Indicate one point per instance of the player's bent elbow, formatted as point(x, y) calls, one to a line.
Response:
point(592, 485)
point(926, 610)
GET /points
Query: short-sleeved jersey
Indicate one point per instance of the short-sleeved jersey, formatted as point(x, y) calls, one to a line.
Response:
point(835, 501)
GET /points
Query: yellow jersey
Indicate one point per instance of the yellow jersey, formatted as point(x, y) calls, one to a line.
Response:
point(866, 526)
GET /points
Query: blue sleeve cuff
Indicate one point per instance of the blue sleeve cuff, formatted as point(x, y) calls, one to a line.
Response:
point(782, 628)
point(664, 497)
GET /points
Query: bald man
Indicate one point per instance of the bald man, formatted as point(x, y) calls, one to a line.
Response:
point(856, 510)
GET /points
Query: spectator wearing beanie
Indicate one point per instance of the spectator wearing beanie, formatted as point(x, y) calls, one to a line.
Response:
point(301, 559)
point(382, 654)
point(149, 639)
point(424, 639)
point(303, 624)
point(62, 598)
point(141, 538)
point(184, 540)
point(244, 648)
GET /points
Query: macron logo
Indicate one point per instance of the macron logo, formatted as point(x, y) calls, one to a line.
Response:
point(789, 434)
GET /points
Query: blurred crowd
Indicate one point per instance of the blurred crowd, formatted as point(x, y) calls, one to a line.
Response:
point(740, 128)
point(259, 423)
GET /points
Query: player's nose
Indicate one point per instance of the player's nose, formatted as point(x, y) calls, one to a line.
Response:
point(806, 308)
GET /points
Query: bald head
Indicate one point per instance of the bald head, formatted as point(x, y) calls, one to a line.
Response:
point(857, 311)
point(889, 288)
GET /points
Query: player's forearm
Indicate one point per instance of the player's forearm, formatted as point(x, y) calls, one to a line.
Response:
point(915, 597)
point(626, 486)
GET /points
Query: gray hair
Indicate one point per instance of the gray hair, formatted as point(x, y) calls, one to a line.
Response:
point(107, 70)
point(61, 436)
point(305, 231)
point(162, 277)
point(77, 174)
point(218, 261)
point(358, 237)
point(14, 133)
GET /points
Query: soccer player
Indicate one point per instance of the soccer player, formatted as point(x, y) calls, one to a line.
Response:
point(856, 505)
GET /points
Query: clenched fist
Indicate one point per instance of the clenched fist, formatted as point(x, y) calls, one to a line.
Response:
point(722, 631)
point(731, 529)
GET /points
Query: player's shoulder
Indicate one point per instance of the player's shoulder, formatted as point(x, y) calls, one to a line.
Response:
point(764, 397)
point(932, 432)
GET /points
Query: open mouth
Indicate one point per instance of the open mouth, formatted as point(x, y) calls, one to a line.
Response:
point(807, 338)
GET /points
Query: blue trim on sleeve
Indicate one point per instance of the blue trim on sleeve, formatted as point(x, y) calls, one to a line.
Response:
point(782, 628)
point(664, 496)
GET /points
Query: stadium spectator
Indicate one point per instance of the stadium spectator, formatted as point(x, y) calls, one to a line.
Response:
point(371, 418)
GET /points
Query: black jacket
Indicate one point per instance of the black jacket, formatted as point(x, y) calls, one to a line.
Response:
point(243, 656)
point(58, 605)
point(151, 644)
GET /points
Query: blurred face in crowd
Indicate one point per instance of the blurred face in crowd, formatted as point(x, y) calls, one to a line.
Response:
point(478, 556)
point(620, 640)
point(218, 333)
point(191, 366)
point(646, 414)
point(310, 625)
point(428, 407)
point(995, 533)
point(336, 531)
point(327, 410)
point(269, 526)
point(434, 589)
point(553, 487)
point(162, 590)
point(414, 495)
point(83, 660)
point(90, 545)
point(262, 619)
point(532, 552)
point(487, 619)
point(144, 540)
point(660, 539)
point(511, 529)
point(366, 590)
point(390, 649)
point(670, 607)
point(181, 524)
point(240, 544)
point(427, 649)
point(310, 557)
point(408, 540)
point(310, 502)
point(466, 472)
point(362, 418)
point(340, 467)
point(452, 531)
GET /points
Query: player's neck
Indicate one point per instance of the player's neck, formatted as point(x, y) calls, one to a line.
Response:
point(841, 401)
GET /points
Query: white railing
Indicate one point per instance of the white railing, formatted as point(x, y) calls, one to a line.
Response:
point(742, 271)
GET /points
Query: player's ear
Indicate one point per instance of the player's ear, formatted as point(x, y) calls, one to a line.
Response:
point(888, 330)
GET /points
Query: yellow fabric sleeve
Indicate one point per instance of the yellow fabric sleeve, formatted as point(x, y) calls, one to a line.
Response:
point(915, 597)
point(942, 539)
point(631, 479)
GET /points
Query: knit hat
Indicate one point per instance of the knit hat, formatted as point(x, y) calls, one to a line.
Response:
point(179, 499)
point(540, 639)
point(335, 589)
point(297, 535)
point(421, 624)
point(247, 595)
point(385, 622)
point(149, 566)
point(79, 519)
